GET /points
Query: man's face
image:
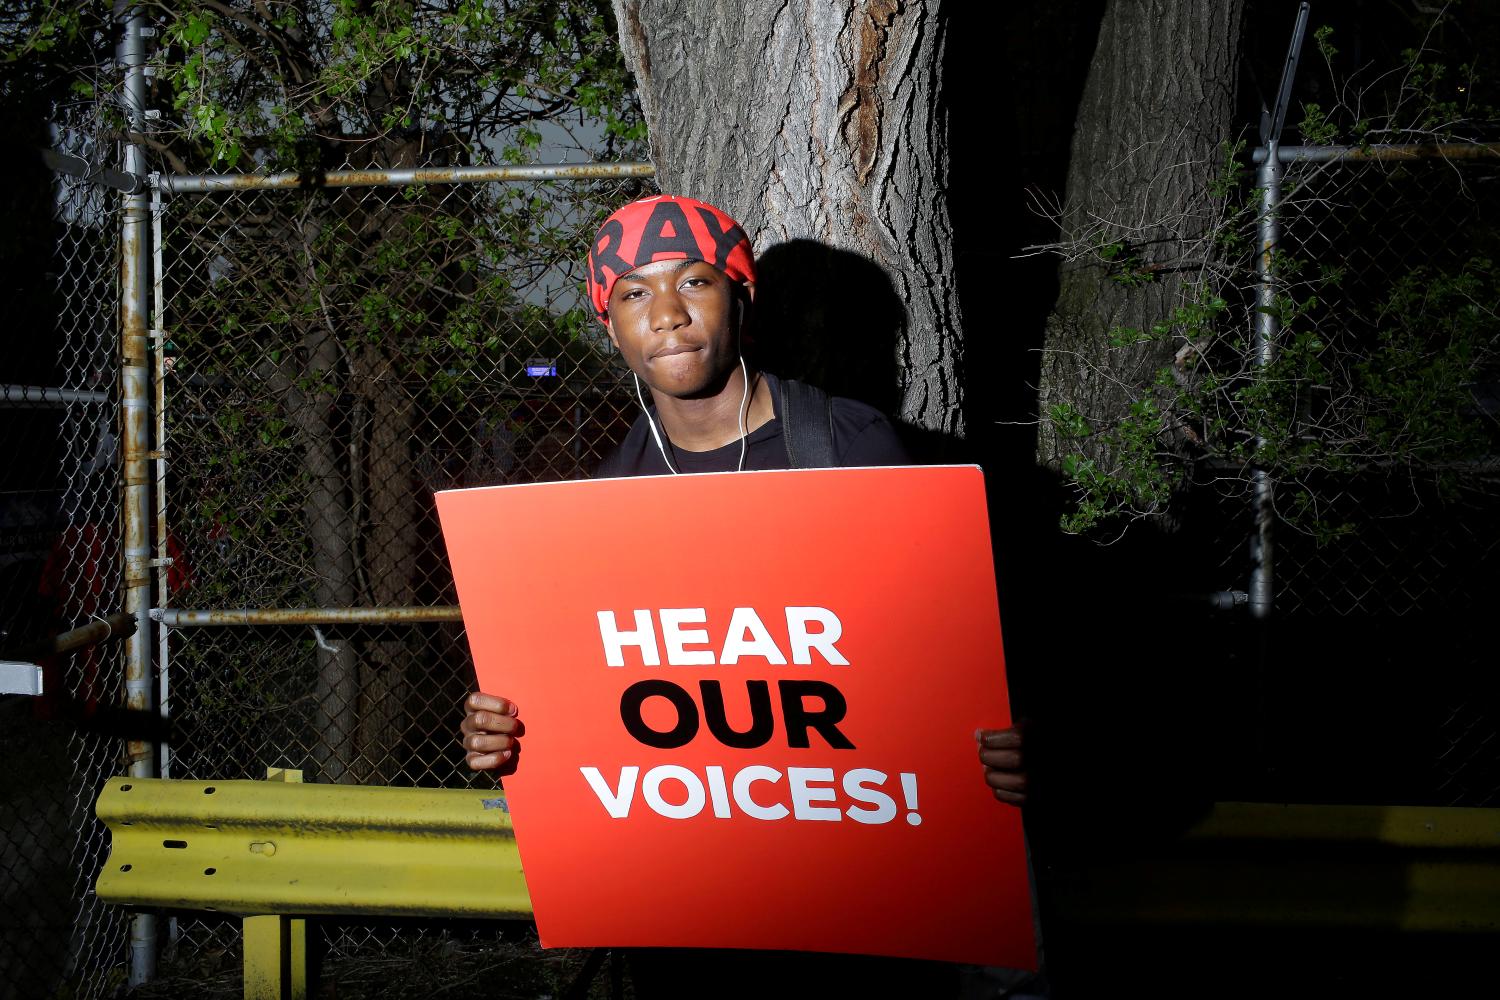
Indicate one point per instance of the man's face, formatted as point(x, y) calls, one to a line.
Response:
point(676, 323)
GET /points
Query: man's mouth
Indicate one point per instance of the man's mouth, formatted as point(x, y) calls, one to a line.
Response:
point(667, 352)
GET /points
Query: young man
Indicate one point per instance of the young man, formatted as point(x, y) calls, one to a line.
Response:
point(673, 281)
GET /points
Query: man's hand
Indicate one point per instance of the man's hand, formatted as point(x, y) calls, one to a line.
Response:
point(489, 729)
point(1004, 766)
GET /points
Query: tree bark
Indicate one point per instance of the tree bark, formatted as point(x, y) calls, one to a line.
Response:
point(1157, 105)
point(820, 127)
point(330, 528)
point(391, 548)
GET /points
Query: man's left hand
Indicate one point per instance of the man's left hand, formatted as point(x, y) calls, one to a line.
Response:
point(1000, 751)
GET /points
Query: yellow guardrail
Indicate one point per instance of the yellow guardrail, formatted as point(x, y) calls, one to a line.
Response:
point(255, 847)
point(275, 851)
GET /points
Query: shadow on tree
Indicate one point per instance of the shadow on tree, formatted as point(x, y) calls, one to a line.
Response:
point(832, 317)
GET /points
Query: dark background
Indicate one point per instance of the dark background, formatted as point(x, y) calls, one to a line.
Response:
point(1319, 707)
point(1148, 705)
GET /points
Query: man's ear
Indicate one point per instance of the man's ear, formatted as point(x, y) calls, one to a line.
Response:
point(609, 329)
point(743, 301)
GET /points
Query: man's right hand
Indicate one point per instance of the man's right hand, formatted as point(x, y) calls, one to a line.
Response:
point(489, 729)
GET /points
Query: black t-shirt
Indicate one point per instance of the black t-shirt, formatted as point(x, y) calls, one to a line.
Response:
point(862, 437)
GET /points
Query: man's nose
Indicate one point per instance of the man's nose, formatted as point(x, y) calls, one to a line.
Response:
point(668, 311)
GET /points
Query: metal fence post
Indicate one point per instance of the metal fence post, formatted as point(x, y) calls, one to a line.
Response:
point(1268, 180)
point(135, 437)
point(159, 369)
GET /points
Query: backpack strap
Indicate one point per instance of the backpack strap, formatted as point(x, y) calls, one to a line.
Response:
point(807, 425)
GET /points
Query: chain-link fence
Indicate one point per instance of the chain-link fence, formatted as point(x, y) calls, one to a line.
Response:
point(60, 569)
point(1381, 614)
point(333, 357)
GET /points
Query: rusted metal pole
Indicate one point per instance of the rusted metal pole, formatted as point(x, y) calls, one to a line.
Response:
point(203, 183)
point(135, 437)
point(184, 618)
point(95, 632)
point(163, 561)
point(1385, 153)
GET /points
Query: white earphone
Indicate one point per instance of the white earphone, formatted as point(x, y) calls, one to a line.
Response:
point(739, 326)
point(744, 409)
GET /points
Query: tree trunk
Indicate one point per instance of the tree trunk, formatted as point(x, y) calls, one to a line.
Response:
point(325, 509)
point(1157, 105)
point(820, 127)
point(391, 547)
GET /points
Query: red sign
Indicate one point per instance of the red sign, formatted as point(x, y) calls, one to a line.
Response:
point(750, 702)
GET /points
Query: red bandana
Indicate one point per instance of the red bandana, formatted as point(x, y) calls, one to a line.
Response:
point(665, 227)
